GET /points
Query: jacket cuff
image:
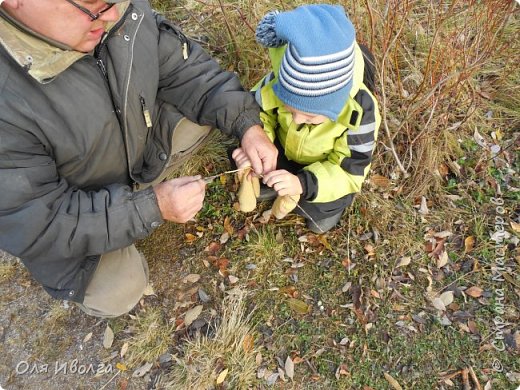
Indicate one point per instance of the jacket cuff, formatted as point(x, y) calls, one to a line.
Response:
point(245, 121)
point(309, 184)
point(146, 204)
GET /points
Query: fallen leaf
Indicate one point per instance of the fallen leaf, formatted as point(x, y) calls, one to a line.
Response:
point(233, 279)
point(124, 349)
point(442, 260)
point(298, 306)
point(289, 367)
point(469, 244)
point(424, 207)
point(279, 237)
point(323, 239)
point(108, 338)
point(380, 181)
point(515, 226)
point(271, 379)
point(227, 226)
point(203, 296)
point(141, 371)
point(479, 139)
point(189, 238)
point(392, 381)
point(438, 304)
point(266, 215)
point(447, 297)
point(222, 376)
point(213, 247)
point(474, 291)
point(121, 366)
point(192, 315)
point(248, 343)
point(87, 337)
point(149, 290)
point(403, 261)
point(443, 234)
point(224, 237)
point(191, 278)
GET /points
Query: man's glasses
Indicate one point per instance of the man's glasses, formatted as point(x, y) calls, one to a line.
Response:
point(90, 14)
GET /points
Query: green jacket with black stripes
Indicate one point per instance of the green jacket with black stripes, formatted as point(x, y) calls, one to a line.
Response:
point(336, 154)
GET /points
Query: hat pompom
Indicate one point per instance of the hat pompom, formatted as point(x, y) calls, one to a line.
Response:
point(266, 31)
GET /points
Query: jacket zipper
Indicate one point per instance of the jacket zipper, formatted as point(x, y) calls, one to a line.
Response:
point(146, 113)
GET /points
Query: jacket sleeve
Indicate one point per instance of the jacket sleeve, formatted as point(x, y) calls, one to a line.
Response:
point(345, 169)
point(43, 217)
point(198, 87)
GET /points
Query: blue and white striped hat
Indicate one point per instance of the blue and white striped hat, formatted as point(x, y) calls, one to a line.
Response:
point(317, 68)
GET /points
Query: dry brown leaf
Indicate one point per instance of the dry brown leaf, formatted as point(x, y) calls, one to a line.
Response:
point(222, 376)
point(192, 315)
point(380, 181)
point(108, 337)
point(289, 367)
point(474, 291)
point(298, 306)
point(323, 239)
point(213, 247)
point(228, 227)
point(392, 381)
point(191, 278)
point(248, 344)
point(515, 226)
point(469, 244)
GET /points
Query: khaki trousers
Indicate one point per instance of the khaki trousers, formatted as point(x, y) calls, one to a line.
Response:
point(122, 275)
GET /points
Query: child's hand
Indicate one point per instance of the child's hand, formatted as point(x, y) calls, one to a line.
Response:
point(240, 157)
point(283, 182)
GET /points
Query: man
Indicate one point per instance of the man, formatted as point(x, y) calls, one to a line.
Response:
point(98, 100)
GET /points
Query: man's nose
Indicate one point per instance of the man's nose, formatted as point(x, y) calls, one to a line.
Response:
point(111, 15)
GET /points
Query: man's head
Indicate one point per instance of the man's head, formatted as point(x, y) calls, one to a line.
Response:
point(69, 22)
point(316, 71)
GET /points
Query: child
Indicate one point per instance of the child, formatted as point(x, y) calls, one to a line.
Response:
point(317, 109)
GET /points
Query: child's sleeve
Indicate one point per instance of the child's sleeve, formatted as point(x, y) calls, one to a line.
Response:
point(348, 164)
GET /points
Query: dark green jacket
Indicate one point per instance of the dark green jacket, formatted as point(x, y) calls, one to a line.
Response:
point(74, 140)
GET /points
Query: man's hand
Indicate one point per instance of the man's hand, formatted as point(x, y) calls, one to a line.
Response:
point(260, 150)
point(283, 182)
point(180, 199)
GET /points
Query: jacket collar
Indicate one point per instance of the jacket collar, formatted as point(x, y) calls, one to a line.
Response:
point(41, 58)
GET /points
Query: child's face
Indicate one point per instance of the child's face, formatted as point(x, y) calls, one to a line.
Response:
point(300, 117)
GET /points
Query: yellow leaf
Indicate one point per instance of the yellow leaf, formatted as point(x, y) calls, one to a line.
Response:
point(248, 343)
point(121, 367)
point(298, 306)
point(469, 243)
point(190, 237)
point(227, 226)
point(323, 239)
point(222, 376)
point(392, 382)
point(223, 180)
point(515, 226)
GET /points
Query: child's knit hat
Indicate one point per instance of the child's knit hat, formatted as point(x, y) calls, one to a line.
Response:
point(317, 68)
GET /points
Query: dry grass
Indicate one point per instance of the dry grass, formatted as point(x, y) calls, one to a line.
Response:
point(152, 335)
point(231, 348)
